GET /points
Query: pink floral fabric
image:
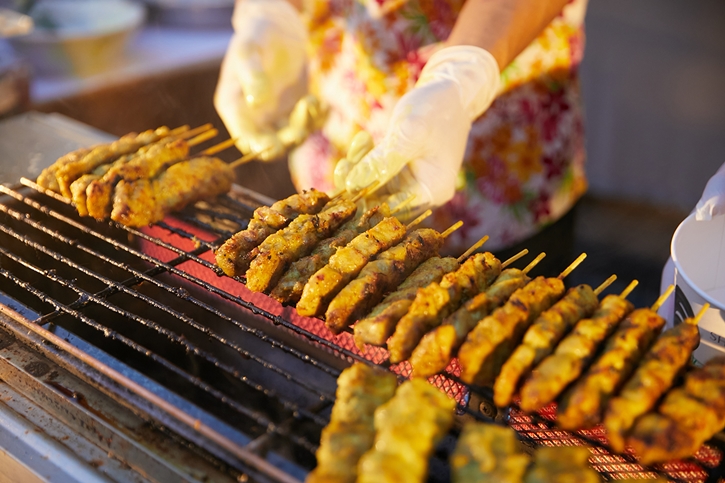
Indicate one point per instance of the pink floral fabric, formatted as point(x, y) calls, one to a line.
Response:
point(524, 164)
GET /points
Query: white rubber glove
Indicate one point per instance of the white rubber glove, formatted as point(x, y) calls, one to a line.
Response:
point(429, 127)
point(712, 202)
point(262, 75)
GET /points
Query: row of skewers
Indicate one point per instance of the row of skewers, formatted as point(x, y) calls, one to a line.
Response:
point(532, 340)
point(381, 432)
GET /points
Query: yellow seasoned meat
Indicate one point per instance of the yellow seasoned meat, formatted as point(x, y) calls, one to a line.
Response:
point(407, 430)
point(582, 405)
point(346, 263)
point(142, 202)
point(687, 417)
point(290, 286)
point(655, 375)
point(379, 325)
point(438, 347)
point(541, 339)
point(573, 354)
point(361, 389)
point(47, 178)
point(293, 242)
point(381, 276)
point(438, 300)
point(561, 464)
point(235, 255)
point(147, 162)
point(488, 453)
point(493, 339)
point(78, 188)
point(103, 154)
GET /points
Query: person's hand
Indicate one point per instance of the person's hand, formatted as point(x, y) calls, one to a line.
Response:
point(429, 128)
point(712, 202)
point(262, 75)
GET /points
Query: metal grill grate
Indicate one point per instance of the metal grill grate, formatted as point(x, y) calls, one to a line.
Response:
point(254, 374)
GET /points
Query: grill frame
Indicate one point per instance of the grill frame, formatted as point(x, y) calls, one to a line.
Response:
point(310, 346)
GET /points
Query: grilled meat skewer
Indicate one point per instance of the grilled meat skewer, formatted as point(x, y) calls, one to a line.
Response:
point(378, 326)
point(346, 264)
point(103, 154)
point(438, 300)
point(293, 242)
point(380, 276)
point(47, 178)
point(655, 375)
point(542, 337)
point(407, 430)
point(488, 453)
point(574, 353)
point(79, 186)
point(582, 406)
point(561, 464)
point(360, 391)
point(146, 201)
point(234, 256)
point(688, 416)
point(290, 286)
point(438, 347)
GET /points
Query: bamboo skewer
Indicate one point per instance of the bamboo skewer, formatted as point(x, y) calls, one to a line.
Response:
point(511, 260)
point(218, 148)
point(534, 262)
point(573, 265)
point(696, 319)
point(248, 157)
point(451, 229)
point(403, 204)
point(473, 248)
point(205, 136)
point(418, 220)
point(662, 298)
point(186, 133)
point(605, 284)
point(628, 290)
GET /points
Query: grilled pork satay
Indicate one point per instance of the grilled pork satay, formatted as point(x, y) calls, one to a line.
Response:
point(582, 406)
point(147, 162)
point(438, 347)
point(103, 154)
point(293, 242)
point(379, 325)
point(47, 178)
point(488, 453)
point(79, 186)
point(493, 339)
point(408, 428)
point(234, 256)
point(438, 300)
point(380, 276)
point(656, 373)
point(346, 264)
point(146, 201)
point(688, 416)
point(573, 355)
point(542, 337)
point(361, 389)
point(561, 464)
point(290, 286)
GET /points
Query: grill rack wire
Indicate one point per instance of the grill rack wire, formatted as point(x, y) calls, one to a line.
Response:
point(155, 277)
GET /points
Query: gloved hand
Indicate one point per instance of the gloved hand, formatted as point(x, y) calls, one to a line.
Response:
point(262, 75)
point(712, 202)
point(429, 128)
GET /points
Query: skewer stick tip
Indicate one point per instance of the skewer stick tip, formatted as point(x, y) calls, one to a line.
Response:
point(658, 303)
point(473, 248)
point(605, 284)
point(696, 319)
point(402, 204)
point(628, 290)
point(534, 262)
point(573, 265)
point(418, 220)
point(179, 130)
point(248, 157)
point(451, 229)
point(205, 136)
point(217, 148)
point(190, 133)
point(365, 191)
point(511, 260)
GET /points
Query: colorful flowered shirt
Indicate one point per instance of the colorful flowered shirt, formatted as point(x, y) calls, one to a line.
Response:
point(524, 163)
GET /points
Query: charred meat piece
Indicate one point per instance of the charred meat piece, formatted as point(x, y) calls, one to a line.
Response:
point(562, 464)
point(488, 453)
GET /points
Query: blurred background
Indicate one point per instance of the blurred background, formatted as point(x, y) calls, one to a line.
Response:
point(653, 79)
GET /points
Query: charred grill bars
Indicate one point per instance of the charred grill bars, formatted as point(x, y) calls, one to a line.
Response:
point(149, 303)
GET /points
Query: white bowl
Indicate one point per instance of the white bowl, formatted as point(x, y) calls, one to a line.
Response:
point(78, 37)
point(698, 251)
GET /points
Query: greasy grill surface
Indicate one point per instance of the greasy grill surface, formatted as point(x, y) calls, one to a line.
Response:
point(153, 300)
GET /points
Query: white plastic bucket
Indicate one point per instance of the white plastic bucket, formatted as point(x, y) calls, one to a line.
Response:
point(698, 251)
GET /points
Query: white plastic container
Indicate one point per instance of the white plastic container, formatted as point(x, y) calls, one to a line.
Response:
point(698, 252)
